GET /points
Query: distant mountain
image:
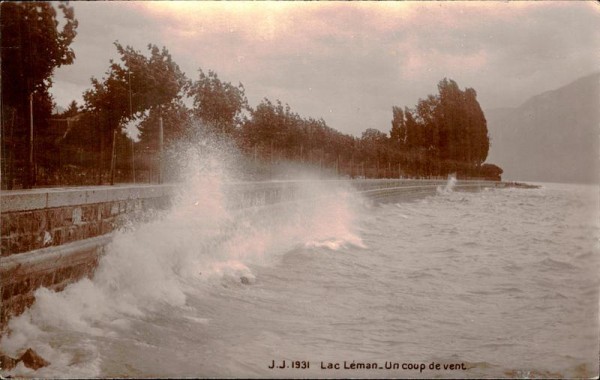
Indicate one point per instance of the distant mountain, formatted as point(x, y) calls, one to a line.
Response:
point(552, 137)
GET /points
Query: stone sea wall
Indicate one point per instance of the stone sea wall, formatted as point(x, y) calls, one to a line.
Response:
point(52, 237)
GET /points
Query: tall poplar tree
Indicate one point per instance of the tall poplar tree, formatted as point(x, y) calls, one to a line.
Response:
point(446, 132)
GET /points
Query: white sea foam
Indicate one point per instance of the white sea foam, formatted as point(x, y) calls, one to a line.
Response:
point(160, 262)
point(449, 188)
point(481, 275)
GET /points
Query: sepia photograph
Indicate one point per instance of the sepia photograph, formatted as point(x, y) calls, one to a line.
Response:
point(300, 189)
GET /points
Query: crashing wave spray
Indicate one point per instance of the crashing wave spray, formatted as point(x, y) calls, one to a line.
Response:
point(449, 188)
point(152, 265)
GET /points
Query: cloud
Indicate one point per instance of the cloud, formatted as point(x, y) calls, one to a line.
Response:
point(349, 62)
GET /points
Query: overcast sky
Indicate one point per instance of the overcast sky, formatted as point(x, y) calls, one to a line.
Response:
point(348, 62)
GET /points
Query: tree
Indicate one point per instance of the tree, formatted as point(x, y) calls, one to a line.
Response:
point(32, 47)
point(478, 138)
point(446, 132)
point(152, 82)
point(374, 144)
point(132, 87)
point(155, 80)
point(271, 123)
point(71, 111)
point(373, 136)
point(177, 125)
point(491, 172)
point(107, 102)
point(274, 130)
point(398, 131)
point(218, 104)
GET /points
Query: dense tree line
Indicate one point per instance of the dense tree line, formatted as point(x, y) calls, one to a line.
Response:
point(32, 46)
point(444, 133)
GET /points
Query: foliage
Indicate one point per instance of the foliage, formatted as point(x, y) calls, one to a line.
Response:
point(177, 125)
point(32, 47)
point(445, 133)
point(137, 87)
point(491, 172)
point(71, 111)
point(398, 131)
point(138, 84)
point(218, 104)
point(274, 129)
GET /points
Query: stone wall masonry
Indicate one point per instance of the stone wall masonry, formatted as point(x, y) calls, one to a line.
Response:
point(36, 219)
point(53, 237)
point(51, 267)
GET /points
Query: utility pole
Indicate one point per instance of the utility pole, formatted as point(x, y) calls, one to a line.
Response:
point(271, 166)
point(31, 164)
point(131, 117)
point(113, 158)
point(160, 149)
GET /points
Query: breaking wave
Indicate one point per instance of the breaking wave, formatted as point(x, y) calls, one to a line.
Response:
point(200, 239)
point(449, 188)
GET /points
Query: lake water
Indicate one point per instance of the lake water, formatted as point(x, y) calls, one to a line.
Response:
point(500, 283)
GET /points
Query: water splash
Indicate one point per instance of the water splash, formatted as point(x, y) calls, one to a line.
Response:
point(147, 266)
point(449, 188)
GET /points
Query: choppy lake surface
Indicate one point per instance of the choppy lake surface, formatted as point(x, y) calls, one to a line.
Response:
point(503, 282)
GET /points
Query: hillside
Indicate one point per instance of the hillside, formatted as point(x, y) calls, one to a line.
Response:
point(552, 137)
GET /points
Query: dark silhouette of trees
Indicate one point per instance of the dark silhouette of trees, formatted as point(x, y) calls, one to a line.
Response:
point(177, 125)
point(71, 111)
point(32, 47)
point(139, 87)
point(398, 131)
point(272, 125)
point(490, 172)
point(445, 133)
point(374, 149)
point(136, 85)
point(219, 105)
point(274, 132)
